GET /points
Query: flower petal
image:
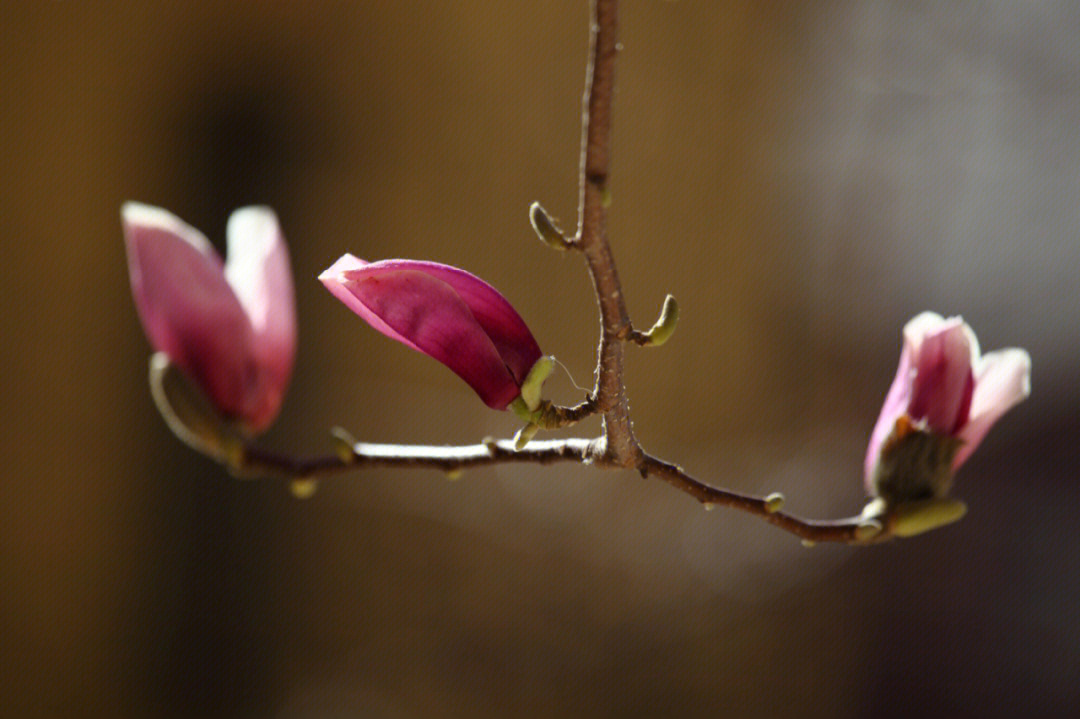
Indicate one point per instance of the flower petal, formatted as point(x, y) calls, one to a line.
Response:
point(500, 321)
point(258, 270)
point(408, 302)
point(333, 278)
point(187, 308)
point(942, 387)
point(919, 326)
point(1002, 380)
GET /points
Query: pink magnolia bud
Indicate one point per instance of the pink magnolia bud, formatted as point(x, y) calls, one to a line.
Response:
point(230, 328)
point(447, 314)
point(942, 403)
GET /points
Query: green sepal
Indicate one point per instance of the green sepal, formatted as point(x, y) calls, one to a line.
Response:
point(911, 518)
point(519, 408)
point(190, 416)
point(534, 382)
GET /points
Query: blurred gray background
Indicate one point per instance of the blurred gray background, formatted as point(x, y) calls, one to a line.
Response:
point(804, 177)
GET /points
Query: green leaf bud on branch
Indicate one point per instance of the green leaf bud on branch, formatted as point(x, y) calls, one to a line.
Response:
point(546, 230)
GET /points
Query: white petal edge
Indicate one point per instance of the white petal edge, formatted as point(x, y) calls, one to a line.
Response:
point(257, 265)
point(138, 214)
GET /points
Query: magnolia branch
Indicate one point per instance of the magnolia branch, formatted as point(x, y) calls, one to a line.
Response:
point(255, 461)
point(203, 428)
point(620, 443)
point(616, 447)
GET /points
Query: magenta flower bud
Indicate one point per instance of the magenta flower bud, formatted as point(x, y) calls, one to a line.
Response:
point(941, 405)
point(230, 328)
point(446, 313)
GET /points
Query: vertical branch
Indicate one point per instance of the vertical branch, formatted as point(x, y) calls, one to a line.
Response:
point(621, 446)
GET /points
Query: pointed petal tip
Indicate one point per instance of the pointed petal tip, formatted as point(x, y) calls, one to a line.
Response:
point(334, 273)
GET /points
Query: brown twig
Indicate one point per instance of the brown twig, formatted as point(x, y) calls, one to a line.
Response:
point(255, 461)
point(620, 444)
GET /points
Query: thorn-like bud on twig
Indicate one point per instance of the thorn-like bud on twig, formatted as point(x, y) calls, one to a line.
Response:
point(660, 332)
point(545, 228)
point(303, 487)
point(911, 518)
point(774, 503)
point(525, 434)
point(490, 445)
point(534, 382)
point(344, 445)
point(190, 416)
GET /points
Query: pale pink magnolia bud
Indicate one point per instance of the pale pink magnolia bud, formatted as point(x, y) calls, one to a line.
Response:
point(944, 400)
point(230, 328)
point(446, 313)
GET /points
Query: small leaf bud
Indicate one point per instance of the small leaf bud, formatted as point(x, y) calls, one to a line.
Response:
point(774, 503)
point(344, 444)
point(523, 436)
point(664, 327)
point(304, 487)
point(545, 228)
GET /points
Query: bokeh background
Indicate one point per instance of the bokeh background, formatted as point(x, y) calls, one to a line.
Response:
point(804, 177)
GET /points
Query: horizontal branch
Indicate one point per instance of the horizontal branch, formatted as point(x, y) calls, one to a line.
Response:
point(254, 461)
point(851, 530)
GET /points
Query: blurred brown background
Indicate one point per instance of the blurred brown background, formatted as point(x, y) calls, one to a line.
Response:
point(804, 177)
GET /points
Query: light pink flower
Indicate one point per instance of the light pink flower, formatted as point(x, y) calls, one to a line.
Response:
point(446, 313)
point(231, 328)
point(945, 389)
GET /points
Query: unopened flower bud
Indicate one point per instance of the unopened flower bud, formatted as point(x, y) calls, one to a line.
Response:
point(943, 401)
point(229, 327)
point(446, 313)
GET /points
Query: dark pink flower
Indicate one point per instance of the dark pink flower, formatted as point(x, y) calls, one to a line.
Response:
point(944, 400)
point(231, 328)
point(446, 313)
